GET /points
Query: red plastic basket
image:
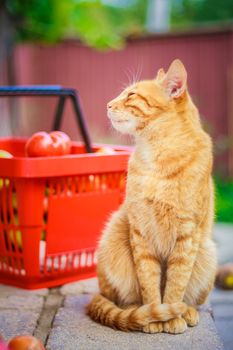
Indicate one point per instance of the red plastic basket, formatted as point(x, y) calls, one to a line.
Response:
point(52, 211)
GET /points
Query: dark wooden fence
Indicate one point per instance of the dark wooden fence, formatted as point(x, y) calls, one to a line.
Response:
point(99, 76)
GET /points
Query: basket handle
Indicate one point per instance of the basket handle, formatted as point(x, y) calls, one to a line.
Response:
point(63, 94)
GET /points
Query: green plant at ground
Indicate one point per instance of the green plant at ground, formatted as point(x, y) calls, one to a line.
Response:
point(224, 200)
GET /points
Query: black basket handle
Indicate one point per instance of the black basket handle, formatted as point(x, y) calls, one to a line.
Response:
point(53, 90)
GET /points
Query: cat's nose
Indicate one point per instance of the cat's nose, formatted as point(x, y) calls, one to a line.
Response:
point(109, 105)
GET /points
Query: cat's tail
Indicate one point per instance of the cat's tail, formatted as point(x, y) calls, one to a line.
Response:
point(132, 318)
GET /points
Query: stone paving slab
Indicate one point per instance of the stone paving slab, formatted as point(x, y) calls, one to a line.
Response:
point(73, 329)
point(222, 303)
point(8, 290)
point(220, 296)
point(19, 310)
point(31, 302)
point(226, 333)
point(89, 286)
point(17, 322)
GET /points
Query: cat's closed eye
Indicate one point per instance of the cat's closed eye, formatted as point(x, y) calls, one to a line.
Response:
point(131, 93)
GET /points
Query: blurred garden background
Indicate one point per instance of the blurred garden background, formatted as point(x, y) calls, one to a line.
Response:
point(99, 46)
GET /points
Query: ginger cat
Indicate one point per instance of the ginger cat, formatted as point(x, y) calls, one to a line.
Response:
point(156, 258)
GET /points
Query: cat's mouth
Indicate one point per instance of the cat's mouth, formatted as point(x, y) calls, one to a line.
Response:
point(119, 121)
point(117, 117)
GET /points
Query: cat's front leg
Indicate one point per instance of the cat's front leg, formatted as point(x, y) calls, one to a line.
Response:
point(148, 270)
point(179, 269)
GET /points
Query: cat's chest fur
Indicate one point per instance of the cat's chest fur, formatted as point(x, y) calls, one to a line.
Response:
point(144, 188)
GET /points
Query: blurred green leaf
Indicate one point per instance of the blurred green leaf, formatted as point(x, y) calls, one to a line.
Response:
point(93, 25)
point(96, 24)
point(193, 12)
point(224, 200)
point(101, 24)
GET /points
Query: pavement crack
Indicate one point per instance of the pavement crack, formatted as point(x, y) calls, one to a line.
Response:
point(53, 301)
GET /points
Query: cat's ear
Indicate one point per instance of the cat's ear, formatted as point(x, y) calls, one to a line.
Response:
point(160, 75)
point(175, 80)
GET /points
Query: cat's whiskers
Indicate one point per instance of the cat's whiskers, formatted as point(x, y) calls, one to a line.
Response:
point(138, 73)
point(132, 75)
point(128, 74)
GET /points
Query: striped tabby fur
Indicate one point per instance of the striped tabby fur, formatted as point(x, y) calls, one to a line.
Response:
point(156, 252)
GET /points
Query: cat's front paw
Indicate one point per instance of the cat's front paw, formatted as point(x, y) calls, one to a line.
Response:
point(191, 316)
point(175, 326)
point(154, 327)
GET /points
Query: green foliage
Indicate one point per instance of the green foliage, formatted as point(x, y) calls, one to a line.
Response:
point(186, 12)
point(105, 26)
point(37, 20)
point(96, 24)
point(224, 200)
point(100, 24)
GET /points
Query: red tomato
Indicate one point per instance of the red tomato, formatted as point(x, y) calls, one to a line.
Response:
point(62, 142)
point(42, 144)
point(25, 342)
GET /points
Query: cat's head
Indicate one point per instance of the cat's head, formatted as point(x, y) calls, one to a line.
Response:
point(146, 101)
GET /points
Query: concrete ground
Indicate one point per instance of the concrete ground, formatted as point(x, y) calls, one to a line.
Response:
point(57, 317)
point(222, 305)
point(222, 301)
